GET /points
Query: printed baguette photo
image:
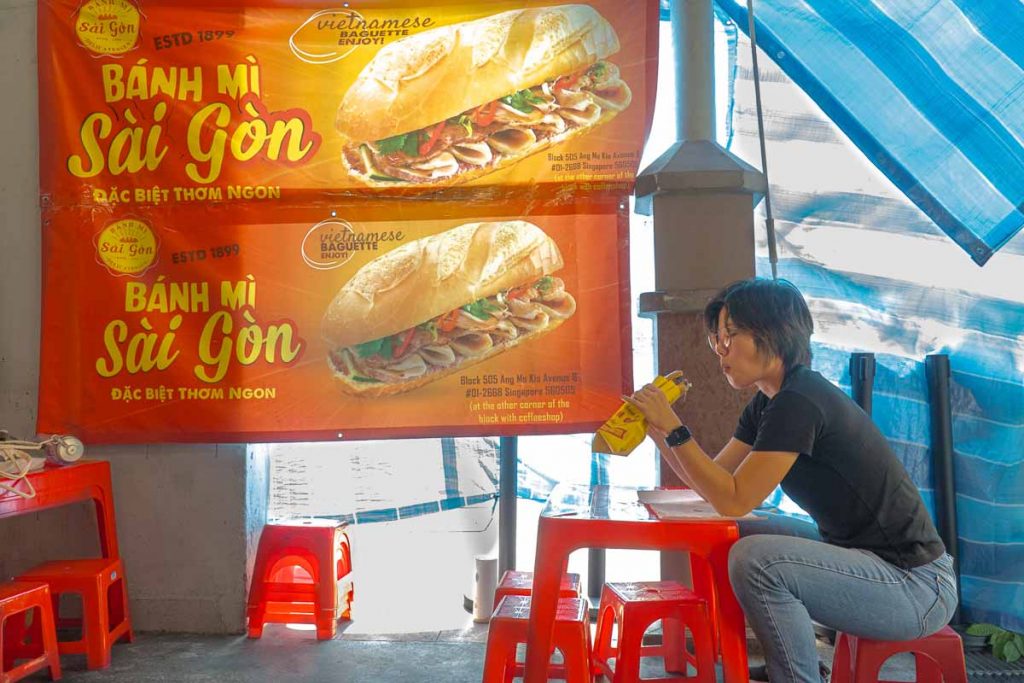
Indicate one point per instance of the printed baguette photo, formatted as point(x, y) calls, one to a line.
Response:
point(457, 102)
point(442, 303)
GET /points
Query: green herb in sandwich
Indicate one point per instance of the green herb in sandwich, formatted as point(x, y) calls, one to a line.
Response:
point(431, 327)
point(409, 143)
point(380, 347)
point(481, 309)
point(464, 121)
point(522, 100)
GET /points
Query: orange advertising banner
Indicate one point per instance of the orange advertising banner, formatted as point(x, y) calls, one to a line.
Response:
point(267, 222)
point(303, 326)
point(182, 103)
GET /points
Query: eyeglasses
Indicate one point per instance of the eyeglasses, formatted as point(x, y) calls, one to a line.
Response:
point(724, 341)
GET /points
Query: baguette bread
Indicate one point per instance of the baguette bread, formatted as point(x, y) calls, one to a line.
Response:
point(437, 74)
point(434, 275)
point(379, 390)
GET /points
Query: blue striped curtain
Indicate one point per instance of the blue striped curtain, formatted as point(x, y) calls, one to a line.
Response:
point(889, 124)
point(932, 91)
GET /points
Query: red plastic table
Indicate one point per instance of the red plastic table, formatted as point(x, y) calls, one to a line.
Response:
point(56, 486)
point(612, 517)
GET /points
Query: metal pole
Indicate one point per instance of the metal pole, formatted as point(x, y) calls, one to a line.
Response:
point(508, 456)
point(595, 574)
point(773, 255)
point(862, 379)
point(937, 371)
point(693, 30)
point(596, 556)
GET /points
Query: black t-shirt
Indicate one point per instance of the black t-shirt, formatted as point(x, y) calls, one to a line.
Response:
point(846, 476)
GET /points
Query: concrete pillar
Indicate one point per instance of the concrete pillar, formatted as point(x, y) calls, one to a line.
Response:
point(693, 26)
point(188, 518)
point(702, 200)
point(703, 239)
point(187, 515)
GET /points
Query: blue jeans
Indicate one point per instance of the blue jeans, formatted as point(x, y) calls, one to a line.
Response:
point(786, 579)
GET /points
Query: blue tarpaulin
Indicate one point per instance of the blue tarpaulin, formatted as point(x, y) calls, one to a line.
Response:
point(932, 91)
point(847, 87)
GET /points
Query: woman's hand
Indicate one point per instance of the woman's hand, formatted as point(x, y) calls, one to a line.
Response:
point(655, 407)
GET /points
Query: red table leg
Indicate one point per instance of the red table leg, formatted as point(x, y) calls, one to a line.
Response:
point(704, 586)
point(731, 625)
point(104, 500)
point(551, 563)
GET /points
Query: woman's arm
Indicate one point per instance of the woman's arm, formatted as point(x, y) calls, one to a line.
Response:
point(735, 482)
point(670, 457)
point(729, 457)
point(734, 495)
point(734, 453)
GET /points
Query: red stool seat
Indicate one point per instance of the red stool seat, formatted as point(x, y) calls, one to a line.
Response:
point(507, 630)
point(302, 575)
point(36, 643)
point(938, 657)
point(521, 583)
point(105, 619)
point(633, 607)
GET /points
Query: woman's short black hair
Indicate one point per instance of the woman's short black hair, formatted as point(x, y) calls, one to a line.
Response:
point(772, 311)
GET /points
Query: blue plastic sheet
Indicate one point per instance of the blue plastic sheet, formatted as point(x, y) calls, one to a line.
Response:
point(932, 91)
point(880, 277)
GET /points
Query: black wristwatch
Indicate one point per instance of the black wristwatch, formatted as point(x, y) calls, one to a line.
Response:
point(678, 436)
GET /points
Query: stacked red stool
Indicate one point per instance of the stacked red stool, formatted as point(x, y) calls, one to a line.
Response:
point(302, 575)
point(633, 607)
point(509, 624)
point(939, 658)
point(105, 619)
point(521, 583)
point(36, 643)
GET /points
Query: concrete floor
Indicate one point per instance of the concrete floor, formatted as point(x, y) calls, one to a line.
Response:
point(284, 655)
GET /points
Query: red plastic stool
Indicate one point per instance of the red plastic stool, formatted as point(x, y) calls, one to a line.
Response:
point(939, 657)
point(302, 575)
point(521, 583)
point(508, 629)
point(38, 642)
point(635, 606)
point(105, 619)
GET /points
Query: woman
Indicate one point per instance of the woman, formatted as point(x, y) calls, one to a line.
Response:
point(880, 569)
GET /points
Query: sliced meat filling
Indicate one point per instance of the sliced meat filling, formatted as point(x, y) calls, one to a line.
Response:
point(480, 137)
point(457, 336)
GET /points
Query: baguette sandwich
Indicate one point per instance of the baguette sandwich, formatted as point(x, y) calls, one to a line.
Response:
point(440, 304)
point(457, 102)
